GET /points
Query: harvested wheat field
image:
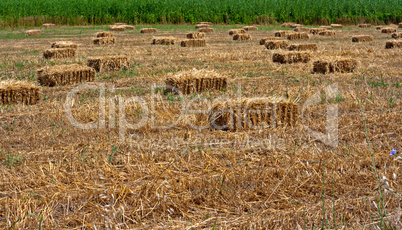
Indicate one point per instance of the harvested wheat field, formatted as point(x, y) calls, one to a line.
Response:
point(249, 143)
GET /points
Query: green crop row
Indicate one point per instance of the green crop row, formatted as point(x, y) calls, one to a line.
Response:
point(75, 12)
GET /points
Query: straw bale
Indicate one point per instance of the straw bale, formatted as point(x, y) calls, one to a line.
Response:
point(163, 41)
point(148, 30)
point(379, 27)
point(65, 74)
point(288, 24)
point(316, 30)
point(253, 113)
point(327, 33)
point(104, 34)
point(388, 30)
point(290, 57)
point(265, 40)
point(117, 28)
point(32, 32)
point(303, 47)
point(195, 35)
point(362, 38)
point(206, 30)
point(18, 92)
point(400, 25)
point(107, 63)
point(280, 44)
point(201, 25)
point(59, 53)
point(331, 66)
point(206, 23)
point(250, 28)
point(104, 40)
point(397, 35)
point(296, 25)
point(297, 36)
point(128, 27)
point(64, 44)
point(242, 37)
point(193, 81)
point(336, 26)
point(327, 27)
point(193, 43)
point(393, 44)
point(282, 33)
point(301, 29)
point(120, 24)
point(237, 31)
point(364, 25)
point(48, 25)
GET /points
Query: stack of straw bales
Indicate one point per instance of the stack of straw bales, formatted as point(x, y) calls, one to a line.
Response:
point(242, 37)
point(303, 47)
point(148, 30)
point(330, 66)
point(106, 63)
point(393, 44)
point(316, 30)
point(65, 74)
point(289, 57)
point(32, 32)
point(48, 25)
point(265, 40)
point(61, 49)
point(163, 41)
point(195, 35)
point(277, 44)
point(250, 28)
point(104, 38)
point(18, 92)
point(193, 43)
point(362, 38)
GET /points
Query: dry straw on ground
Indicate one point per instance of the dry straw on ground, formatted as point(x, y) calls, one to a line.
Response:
point(340, 65)
point(301, 29)
point(289, 57)
point(59, 53)
point(336, 26)
point(316, 30)
point(64, 44)
point(253, 113)
point(280, 44)
point(282, 33)
point(103, 34)
point(250, 28)
point(148, 30)
point(263, 41)
point(303, 47)
point(393, 44)
point(388, 30)
point(327, 33)
point(362, 38)
point(195, 35)
point(32, 32)
point(18, 92)
point(206, 30)
point(108, 63)
point(104, 40)
point(397, 35)
point(163, 41)
point(242, 37)
point(65, 75)
point(297, 36)
point(48, 25)
point(365, 25)
point(193, 43)
point(237, 31)
point(193, 81)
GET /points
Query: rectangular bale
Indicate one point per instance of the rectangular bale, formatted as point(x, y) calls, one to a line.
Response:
point(327, 33)
point(250, 28)
point(365, 25)
point(288, 24)
point(206, 23)
point(393, 44)
point(282, 33)
point(336, 26)
point(108, 63)
point(65, 75)
point(362, 38)
point(48, 25)
point(32, 32)
point(206, 30)
point(104, 40)
point(291, 57)
point(301, 29)
point(327, 27)
point(315, 31)
point(303, 47)
point(400, 25)
point(297, 36)
point(296, 25)
point(117, 28)
point(280, 44)
point(397, 35)
point(193, 43)
point(388, 30)
point(265, 40)
point(379, 27)
point(195, 35)
point(148, 30)
point(242, 37)
point(237, 31)
point(163, 41)
point(104, 34)
point(201, 25)
point(129, 27)
point(64, 44)
point(59, 53)
point(340, 66)
point(18, 92)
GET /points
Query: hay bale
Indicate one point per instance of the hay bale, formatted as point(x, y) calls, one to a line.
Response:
point(193, 43)
point(193, 81)
point(301, 29)
point(242, 37)
point(206, 30)
point(297, 36)
point(364, 25)
point(59, 53)
point(206, 23)
point(296, 25)
point(282, 33)
point(163, 41)
point(32, 32)
point(108, 63)
point(397, 35)
point(117, 28)
point(64, 44)
point(201, 25)
point(128, 27)
point(18, 92)
point(388, 30)
point(195, 35)
point(327, 33)
point(48, 25)
point(362, 38)
point(379, 27)
point(279, 44)
point(237, 31)
point(291, 57)
point(400, 25)
point(148, 30)
point(336, 26)
point(252, 113)
point(393, 44)
point(265, 40)
point(250, 28)
point(65, 74)
point(303, 47)
point(327, 27)
point(104, 40)
point(340, 65)
point(104, 34)
point(315, 31)
point(288, 24)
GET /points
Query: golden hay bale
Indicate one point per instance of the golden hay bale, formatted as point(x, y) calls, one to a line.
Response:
point(282, 33)
point(201, 25)
point(400, 25)
point(117, 28)
point(59, 53)
point(206, 30)
point(296, 25)
point(104, 34)
point(340, 65)
point(287, 24)
point(48, 25)
point(253, 113)
point(193, 81)
point(128, 27)
point(279, 44)
point(250, 28)
point(18, 92)
point(65, 74)
point(397, 35)
point(265, 40)
point(327, 33)
point(301, 29)
point(32, 32)
point(193, 43)
point(205, 23)
point(107, 63)
point(336, 26)
point(316, 30)
point(362, 38)
point(364, 25)
point(195, 35)
point(242, 37)
point(303, 47)
point(393, 44)
point(297, 36)
point(388, 30)
point(327, 27)
point(104, 40)
point(163, 41)
point(379, 27)
point(64, 44)
point(148, 30)
point(237, 31)
point(290, 57)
